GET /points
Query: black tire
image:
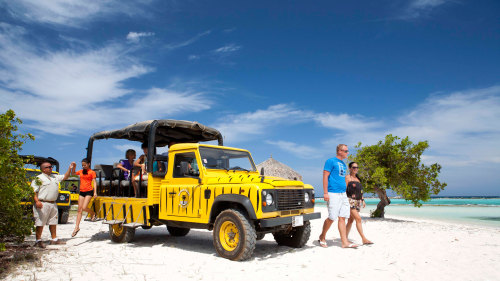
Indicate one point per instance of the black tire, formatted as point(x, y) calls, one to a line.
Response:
point(146, 226)
point(296, 238)
point(260, 236)
point(63, 216)
point(234, 236)
point(121, 234)
point(177, 231)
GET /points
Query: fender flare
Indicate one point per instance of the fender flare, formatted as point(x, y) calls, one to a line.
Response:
point(233, 198)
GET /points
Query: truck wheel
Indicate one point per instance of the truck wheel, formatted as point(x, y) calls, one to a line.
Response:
point(296, 238)
point(234, 236)
point(177, 231)
point(121, 234)
point(260, 236)
point(63, 216)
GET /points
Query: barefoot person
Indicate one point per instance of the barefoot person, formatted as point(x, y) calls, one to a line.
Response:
point(46, 187)
point(355, 195)
point(87, 190)
point(334, 187)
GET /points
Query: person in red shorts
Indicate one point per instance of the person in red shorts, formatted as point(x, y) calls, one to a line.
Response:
point(87, 191)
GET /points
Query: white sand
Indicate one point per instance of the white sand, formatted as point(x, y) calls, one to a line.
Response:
point(404, 250)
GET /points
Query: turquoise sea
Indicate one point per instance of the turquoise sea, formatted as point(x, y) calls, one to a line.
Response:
point(478, 211)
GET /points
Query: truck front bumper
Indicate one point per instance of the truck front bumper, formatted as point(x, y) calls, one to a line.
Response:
point(286, 220)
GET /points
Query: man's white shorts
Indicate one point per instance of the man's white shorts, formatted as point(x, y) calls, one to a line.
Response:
point(47, 215)
point(338, 206)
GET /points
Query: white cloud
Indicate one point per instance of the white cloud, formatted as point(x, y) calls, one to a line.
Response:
point(346, 122)
point(301, 151)
point(173, 46)
point(227, 49)
point(73, 13)
point(239, 127)
point(136, 36)
point(462, 127)
point(193, 57)
point(418, 8)
point(66, 91)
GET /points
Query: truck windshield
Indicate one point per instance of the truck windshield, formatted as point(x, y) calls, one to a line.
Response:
point(226, 159)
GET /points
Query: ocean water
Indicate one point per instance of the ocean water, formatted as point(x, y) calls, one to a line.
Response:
point(471, 211)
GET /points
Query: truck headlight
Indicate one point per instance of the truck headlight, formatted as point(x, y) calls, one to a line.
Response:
point(306, 197)
point(269, 199)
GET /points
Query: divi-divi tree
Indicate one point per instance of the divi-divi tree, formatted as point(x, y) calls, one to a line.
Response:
point(396, 164)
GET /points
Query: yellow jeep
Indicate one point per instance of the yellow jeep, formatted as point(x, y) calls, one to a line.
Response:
point(200, 186)
point(63, 200)
point(72, 185)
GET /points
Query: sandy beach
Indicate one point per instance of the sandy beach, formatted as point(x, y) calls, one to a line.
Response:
point(404, 249)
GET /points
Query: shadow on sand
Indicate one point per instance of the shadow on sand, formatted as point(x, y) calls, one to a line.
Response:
point(387, 220)
point(199, 241)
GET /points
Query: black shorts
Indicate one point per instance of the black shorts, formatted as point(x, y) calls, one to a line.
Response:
point(87, 193)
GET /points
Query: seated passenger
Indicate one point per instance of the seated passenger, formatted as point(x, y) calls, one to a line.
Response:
point(141, 162)
point(127, 166)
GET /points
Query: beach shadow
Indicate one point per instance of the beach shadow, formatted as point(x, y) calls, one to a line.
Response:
point(265, 250)
point(99, 236)
point(387, 220)
point(198, 241)
point(486, 218)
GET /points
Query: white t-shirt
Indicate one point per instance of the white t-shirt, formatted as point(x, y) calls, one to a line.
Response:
point(49, 188)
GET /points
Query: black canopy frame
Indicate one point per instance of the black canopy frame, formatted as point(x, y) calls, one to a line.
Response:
point(159, 133)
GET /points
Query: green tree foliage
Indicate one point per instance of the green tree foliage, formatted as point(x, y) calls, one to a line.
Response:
point(396, 164)
point(14, 223)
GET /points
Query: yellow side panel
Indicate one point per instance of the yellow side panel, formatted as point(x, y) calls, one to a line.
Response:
point(128, 210)
point(154, 189)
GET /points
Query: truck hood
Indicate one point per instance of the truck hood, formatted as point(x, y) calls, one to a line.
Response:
point(239, 178)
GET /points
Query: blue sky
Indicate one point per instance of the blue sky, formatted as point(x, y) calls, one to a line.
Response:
point(287, 78)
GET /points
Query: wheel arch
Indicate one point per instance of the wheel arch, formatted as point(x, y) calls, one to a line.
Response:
point(227, 201)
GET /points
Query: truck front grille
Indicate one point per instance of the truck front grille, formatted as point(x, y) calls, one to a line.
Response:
point(290, 199)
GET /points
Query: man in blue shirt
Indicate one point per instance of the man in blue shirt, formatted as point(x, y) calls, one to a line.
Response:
point(334, 187)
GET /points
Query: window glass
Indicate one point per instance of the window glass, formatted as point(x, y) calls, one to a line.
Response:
point(185, 165)
point(226, 159)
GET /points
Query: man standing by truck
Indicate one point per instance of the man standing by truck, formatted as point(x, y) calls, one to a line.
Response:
point(46, 187)
point(334, 187)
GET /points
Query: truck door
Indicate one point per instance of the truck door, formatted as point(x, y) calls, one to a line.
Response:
point(183, 192)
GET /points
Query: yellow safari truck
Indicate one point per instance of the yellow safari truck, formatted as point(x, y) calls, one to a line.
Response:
point(200, 186)
point(32, 170)
point(72, 185)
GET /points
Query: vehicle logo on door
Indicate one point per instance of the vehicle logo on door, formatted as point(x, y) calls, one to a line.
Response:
point(183, 198)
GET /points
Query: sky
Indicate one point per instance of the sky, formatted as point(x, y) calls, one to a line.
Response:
point(287, 79)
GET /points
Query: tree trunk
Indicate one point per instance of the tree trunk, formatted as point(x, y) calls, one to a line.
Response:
point(384, 201)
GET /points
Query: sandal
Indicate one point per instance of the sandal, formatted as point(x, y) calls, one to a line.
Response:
point(352, 246)
point(94, 218)
point(75, 232)
point(323, 244)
